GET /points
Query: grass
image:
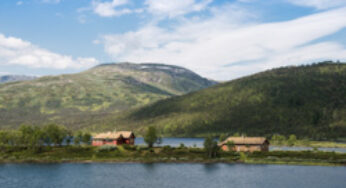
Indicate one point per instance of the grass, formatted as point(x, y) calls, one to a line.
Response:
point(85, 99)
point(314, 144)
point(142, 154)
point(326, 144)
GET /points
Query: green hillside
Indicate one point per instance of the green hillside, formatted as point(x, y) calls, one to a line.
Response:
point(309, 101)
point(83, 99)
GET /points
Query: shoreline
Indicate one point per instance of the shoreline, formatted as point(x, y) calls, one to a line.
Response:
point(182, 162)
point(317, 144)
point(216, 161)
point(298, 143)
point(136, 154)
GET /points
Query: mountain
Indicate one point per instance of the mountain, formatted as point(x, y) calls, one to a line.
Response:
point(83, 99)
point(308, 101)
point(15, 78)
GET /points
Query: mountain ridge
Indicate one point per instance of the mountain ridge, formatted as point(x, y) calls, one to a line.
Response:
point(75, 100)
point(15, 78)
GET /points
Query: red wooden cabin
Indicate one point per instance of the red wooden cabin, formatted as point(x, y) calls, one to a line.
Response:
point(114, 138)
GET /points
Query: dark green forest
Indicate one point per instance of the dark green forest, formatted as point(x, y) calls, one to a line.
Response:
point(308, 101)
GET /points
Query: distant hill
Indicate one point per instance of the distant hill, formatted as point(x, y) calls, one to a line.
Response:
point(83, 99)
point(309, 101)
point(14, 78)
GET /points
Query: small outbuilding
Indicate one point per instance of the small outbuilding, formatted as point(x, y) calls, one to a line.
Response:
point(114, 138)
point(245, 144)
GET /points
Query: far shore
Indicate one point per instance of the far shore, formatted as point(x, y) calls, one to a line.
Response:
point(166, 154)
point(259, 162)
point(317, 144)
point(297, 143)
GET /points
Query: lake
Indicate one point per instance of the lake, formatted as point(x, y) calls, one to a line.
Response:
point(198, 142)
point(165, 175)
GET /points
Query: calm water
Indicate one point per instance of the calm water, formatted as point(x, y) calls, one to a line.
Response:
point(175, 142)
point(198, 142)
point(169, 175)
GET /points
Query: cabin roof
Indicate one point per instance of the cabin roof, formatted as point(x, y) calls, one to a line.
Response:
point(245, 140)
point(114, 135)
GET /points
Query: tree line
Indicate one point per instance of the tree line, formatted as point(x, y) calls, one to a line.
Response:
point(49, 135)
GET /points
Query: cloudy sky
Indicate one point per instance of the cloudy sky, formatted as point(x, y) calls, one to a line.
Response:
point(219, 39)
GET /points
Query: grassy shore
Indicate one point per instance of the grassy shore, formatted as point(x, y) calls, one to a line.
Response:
point(313, 144)
point(324, 144)
point(162, 154)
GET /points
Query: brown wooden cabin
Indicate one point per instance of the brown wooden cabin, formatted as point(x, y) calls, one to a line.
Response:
point(114, 138)
point(245, 144)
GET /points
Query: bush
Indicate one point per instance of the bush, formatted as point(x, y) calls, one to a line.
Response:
point(150, 136)
point(106, 148)
point(292, 139)
point(141, 148)
point(86, 138)
point(167, 149)
point(129, 147)
point(211, 147)
point(77, 149)
point(196, 150)
point(278, 139)
point(222, 137)
point(243, 156)
point(181, 151)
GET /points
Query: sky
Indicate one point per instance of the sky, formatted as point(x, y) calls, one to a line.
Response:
point(218, 39)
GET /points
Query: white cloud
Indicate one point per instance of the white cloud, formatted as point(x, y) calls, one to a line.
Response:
point(175, 8)
point(319, 4)
point(59, 14)
point(51, 1)
point(158, 8)
point(15, 51)
point(4, 73)
point(110, 8)
point(82, 18)
point(246, 1)
point(19, 3)
point(229, 45)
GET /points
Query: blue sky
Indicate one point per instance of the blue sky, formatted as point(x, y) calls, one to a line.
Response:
point(219, 39)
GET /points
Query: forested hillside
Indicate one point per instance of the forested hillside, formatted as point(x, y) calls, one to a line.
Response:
point(308, 101)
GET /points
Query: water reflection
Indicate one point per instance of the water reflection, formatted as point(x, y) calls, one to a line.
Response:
point(211, 167)
point(174, 175)
point(150, 167)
